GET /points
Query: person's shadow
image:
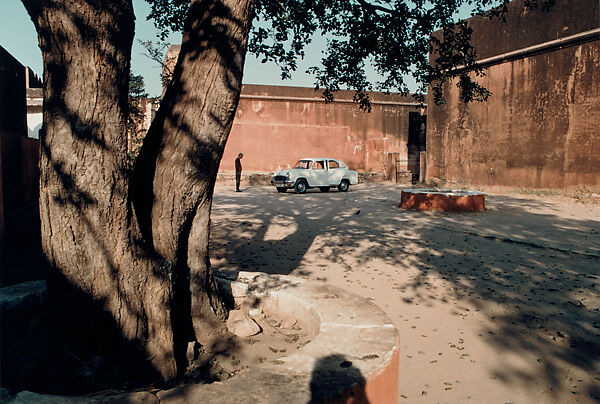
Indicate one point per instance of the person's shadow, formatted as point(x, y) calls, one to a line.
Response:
point(335, 379)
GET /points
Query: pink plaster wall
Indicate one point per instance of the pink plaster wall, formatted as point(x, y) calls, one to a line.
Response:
point(275, 133)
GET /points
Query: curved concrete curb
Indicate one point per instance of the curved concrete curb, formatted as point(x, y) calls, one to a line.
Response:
point(448, 200)
point(353, 357)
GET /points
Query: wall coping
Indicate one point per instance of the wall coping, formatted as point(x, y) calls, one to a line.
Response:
point(447, 192)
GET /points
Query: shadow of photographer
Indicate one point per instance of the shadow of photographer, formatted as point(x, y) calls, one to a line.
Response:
point(336, 380)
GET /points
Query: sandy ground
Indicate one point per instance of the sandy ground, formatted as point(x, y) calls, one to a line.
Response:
point(501, 306)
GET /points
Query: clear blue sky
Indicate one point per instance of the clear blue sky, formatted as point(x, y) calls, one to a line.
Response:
point(18, 36)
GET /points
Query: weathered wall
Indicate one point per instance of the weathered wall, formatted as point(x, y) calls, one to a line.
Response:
point(13, 107)
point(276, 126)
point(526, 27)
point(20, 173)
point(21, 257)
point(541, 126)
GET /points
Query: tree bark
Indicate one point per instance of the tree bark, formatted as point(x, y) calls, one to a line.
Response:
point(180, 158)
point(88, 235)
point(145, 265)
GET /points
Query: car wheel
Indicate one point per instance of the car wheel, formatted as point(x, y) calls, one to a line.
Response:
point(281, 189)
point(324, 189)
point(344, 186)
point(300, 186)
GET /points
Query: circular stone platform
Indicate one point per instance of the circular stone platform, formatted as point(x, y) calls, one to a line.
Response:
point(448, 200)
point(353, 356)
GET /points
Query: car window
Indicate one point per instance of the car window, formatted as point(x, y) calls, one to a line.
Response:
point(318, 165)
point(302, 164)
point(343, 165)
point(333, 164)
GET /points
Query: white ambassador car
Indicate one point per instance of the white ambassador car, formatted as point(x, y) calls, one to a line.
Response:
point(322, 173)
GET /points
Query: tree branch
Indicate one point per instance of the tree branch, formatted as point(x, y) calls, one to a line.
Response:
point(376, 7)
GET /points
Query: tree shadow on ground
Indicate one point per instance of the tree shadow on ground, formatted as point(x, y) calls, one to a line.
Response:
point(530, 269)
point(299, 219)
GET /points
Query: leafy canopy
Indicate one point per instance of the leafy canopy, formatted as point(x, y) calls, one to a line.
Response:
point(392, 36)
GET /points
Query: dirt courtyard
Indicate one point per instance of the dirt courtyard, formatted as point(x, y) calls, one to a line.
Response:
point(501, 306)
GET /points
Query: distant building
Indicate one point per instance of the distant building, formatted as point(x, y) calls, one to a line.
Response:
point(13, 107)
point(541, 126)
point(148, 106)
point(275, 126)
point(35, 118)
point(21, 97)
point(20, 118)
point(169, 65)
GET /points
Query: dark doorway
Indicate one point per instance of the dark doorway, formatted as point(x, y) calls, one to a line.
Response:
point(417, 124)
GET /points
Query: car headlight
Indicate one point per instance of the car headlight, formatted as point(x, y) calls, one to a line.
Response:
point(287, 175)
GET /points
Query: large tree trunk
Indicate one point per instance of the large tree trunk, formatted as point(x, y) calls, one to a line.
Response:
point(181, 155)
point(88, 235)
point(146, 271)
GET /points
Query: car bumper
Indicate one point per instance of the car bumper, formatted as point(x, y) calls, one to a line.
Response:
point(283, 184)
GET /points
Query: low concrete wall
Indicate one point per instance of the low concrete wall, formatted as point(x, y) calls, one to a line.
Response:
point(353, 357)
point(442, 200)
point(22, 308)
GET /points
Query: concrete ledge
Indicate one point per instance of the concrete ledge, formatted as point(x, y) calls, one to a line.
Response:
point(352, 358)
point(25, 295)
point(140, 397)
point(370, 177)
point(448, 200)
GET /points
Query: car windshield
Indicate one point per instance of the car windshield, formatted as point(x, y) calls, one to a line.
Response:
point(302, 164)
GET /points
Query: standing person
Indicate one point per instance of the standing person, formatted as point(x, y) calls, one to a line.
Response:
point(238, 171)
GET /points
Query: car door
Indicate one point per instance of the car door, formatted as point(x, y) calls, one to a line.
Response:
point(318, 174)
point(335, 173)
